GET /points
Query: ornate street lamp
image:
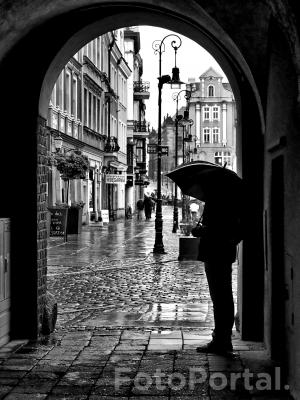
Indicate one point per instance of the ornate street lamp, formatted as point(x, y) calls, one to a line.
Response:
point(178, 118)
point(159, 47)
point(58, 142)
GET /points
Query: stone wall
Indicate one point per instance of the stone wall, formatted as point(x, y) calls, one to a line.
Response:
point(42, 178)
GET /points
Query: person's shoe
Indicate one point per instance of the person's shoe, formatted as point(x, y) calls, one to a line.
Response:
point(216, 348)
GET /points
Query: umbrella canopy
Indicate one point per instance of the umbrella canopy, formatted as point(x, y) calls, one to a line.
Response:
point(207, 181)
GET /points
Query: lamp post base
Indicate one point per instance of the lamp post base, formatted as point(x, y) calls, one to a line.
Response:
point(175, 220)
point(159, 248)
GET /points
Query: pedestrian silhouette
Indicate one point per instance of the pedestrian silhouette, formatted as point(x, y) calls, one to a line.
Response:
point(220, 231)
point(148, 206)
point(140, 208)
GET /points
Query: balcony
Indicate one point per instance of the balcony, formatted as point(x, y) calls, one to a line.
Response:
point(141, 128)
point(111, 145)
point(93, 138)
point(141, 90)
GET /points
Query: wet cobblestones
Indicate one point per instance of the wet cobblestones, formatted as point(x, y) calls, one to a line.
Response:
point(128, 325)
point(108, 276)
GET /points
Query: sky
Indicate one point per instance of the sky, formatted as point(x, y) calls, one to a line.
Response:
point(192, 60)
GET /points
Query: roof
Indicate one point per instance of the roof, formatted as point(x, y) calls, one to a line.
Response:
point(210, 72)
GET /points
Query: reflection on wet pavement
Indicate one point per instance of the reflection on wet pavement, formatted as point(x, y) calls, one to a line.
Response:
point(108, 276)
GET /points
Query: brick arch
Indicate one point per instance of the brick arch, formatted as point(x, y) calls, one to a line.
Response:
point(39, 73)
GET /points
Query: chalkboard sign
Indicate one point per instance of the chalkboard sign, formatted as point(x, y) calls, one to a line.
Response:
point(58, 222)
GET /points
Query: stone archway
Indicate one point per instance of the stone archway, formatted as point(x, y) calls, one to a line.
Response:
point(38, 77)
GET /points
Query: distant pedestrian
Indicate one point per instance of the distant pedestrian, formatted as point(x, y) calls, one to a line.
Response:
point(128, 212)
point(140, 208)
point(147, 206)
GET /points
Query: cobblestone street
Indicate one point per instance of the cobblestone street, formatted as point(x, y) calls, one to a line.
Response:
point(128, 325)
point(109, 276)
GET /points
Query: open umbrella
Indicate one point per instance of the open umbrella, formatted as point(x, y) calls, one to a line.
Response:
point(205, 180)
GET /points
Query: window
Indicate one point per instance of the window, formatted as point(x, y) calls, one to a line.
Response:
point(59, 91)
point(206, 113)
point(112, 77)
point(227, 157)
point(94, 113)
point(89, 122)
point(216, 112)
point(94, 51)
point(68, 92)
point(53, 96)
point(99, 116)
point(74, 97)
point(206, 135)
point(85, 111)
point(139, 150)
point(222, 157)
point(89, 54)
point(98, 54)
point(211, 91)
point(218, 158)
point(216, 135)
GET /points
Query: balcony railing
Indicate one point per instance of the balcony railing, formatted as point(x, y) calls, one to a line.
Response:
point(141, 126)
point(141, 86)
point(111, 145)
point(141, 90)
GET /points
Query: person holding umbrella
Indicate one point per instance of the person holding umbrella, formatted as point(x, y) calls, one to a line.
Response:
point(220, 230)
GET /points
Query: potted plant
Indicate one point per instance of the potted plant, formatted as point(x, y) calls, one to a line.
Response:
point(74, 222)
point(72, 165)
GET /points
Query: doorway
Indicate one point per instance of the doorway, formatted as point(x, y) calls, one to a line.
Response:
point(278, 285)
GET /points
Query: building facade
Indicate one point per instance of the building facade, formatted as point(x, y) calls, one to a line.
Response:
point(207, 130)
point(137, 126)
point(212, 110)
point(94, 108)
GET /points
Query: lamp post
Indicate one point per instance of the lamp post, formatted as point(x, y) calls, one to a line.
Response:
point(178, 118)
point(159, 47)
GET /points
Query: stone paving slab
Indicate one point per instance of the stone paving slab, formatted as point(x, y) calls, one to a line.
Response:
point(132, 373)
point(128, 325)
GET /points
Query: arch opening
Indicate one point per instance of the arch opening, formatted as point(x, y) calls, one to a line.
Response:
point(99, 20)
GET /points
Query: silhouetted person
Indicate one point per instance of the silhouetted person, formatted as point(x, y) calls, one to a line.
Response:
point(140, 208)
point(147, 206)
point(219, 233)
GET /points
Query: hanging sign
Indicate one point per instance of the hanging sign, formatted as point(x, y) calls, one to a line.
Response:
point(164, 150)
point(115, 179)
point(152, 148)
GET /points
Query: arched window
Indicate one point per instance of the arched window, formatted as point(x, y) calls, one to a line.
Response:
point(211, 91)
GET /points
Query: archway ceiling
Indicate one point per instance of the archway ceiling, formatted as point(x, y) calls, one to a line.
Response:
point(240, 33)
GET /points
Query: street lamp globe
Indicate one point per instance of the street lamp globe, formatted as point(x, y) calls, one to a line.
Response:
point(175, 81)
point(58, 142)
